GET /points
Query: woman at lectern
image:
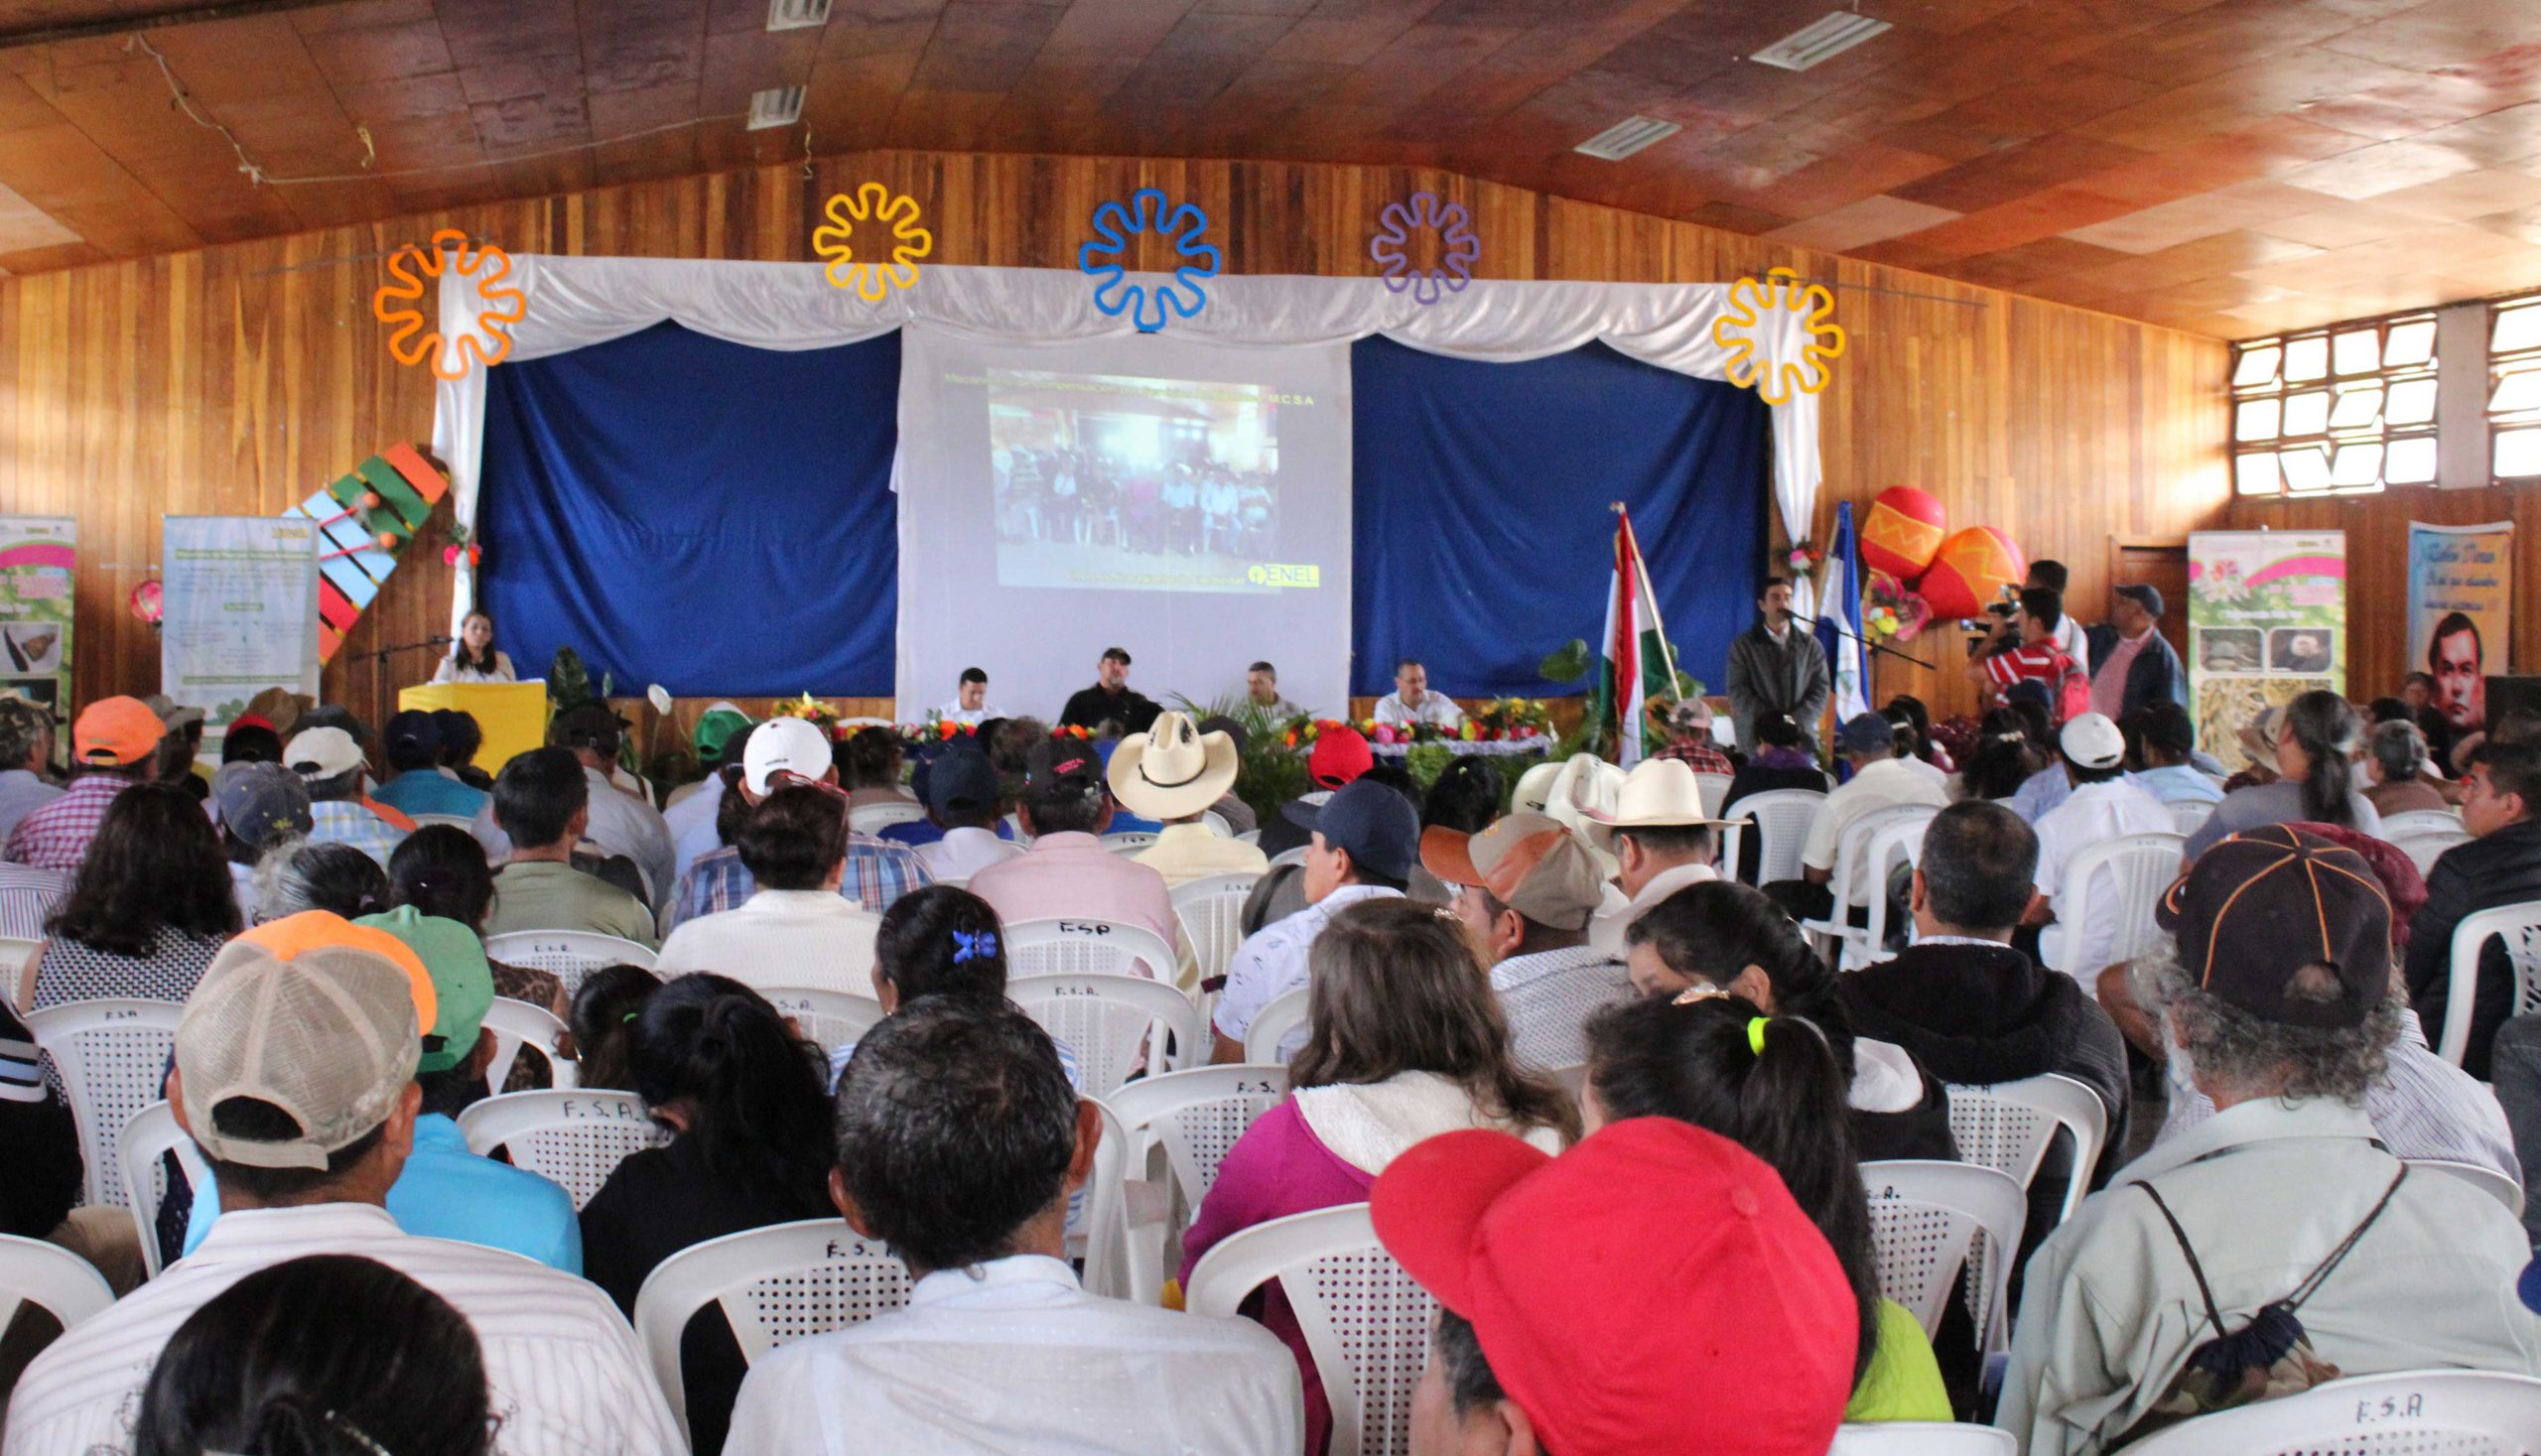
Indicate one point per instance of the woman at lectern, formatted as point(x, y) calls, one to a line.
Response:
point(473, 658)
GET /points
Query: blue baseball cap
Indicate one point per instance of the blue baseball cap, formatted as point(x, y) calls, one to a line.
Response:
point(2529, 1286)
point(959, 782)
point(1373, 823)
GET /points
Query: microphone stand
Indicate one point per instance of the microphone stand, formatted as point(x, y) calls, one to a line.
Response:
point(378, 660)
point(1875, 646)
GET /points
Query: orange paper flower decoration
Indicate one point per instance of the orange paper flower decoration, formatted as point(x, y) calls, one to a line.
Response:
point(1745, 329)
point(874, 203)
point(400, 304)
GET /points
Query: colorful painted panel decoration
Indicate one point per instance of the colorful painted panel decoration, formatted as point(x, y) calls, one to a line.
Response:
point(366, 517)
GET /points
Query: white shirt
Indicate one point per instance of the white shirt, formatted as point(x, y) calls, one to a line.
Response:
point(451, 672)
point(963, 852)
point(2094, 814)
point(1606, 930)
point(1271, 962)
point(691, 823)
point(2070, 641)
point(1435, 707)
point(1549, 997)
point(27, 895)
point(568, 1376)
point(621, 824)
point(1883, 784)
point(954, 712)
point(22, 794)
point(1014, 1355)
point(815, 938)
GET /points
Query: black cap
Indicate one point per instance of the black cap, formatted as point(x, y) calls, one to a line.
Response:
point(1373, 822)
point(960, 782)
point(414, 734)
point(586, 726)
point(2262, 905)
point(1053, 759)
point(2147, 596)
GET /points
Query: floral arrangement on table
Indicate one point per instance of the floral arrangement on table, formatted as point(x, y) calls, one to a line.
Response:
point(1804, 556)
point(1890, 610)
point(936, 729)
point(1509, 718)
point(811, 709)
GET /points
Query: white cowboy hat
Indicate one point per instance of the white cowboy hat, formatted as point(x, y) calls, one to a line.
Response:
point(1660, 793)
point(1173, 770)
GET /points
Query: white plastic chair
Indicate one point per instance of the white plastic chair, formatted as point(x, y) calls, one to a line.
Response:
point(2488, 1180)
point(1109, 1020)
point(1366, 1322)
point(1250, 836)
point(570, 955)
point(455, 820)
point(875, 818)
point(1086, 946)
point(1782, 818)
point(113, 1057)
point(2008, 1125)
point(2426, 845)
point(2420, 821)
point(152, 1134)
point(50, 1278)
point(1103, 1243)
point(1897, 842)
point(1923, 1438)
point(1926, 1219)
point(574, 1138)
point(1296, 856)
point(1217, 824)
point(1714, 788)
point(2520, 927)
point(1128, 841)
point(2187, 816)
point(2407, 1414)
point(1271, 1024)
point(832, 1018)
point(15, 953)
point(518, 1024)
point(1194, 1116)
point(1854, 849)
point(1211, 912)
point(776, 1285)
point(1015, 828)
point(2130, 870)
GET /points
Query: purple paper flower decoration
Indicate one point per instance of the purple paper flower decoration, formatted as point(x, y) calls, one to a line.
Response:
point(1455, 230)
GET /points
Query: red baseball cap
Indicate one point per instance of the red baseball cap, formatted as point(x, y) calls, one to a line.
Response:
point(1654, 1291)
point(1340, 755)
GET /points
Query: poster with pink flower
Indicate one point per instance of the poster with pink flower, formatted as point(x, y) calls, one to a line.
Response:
point(36, 557)
point(2267, 622)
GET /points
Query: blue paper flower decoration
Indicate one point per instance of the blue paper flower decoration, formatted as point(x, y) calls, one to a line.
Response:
point(1101, 258)
point(1455, 230)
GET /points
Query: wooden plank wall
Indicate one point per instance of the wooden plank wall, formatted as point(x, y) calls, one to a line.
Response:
point(236, 378)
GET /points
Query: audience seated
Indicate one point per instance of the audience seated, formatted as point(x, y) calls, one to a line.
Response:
point(750, 1118)
point(1464, 797)
point(440, 870)
point(443, 1190)
point(721, 735)
point(2315, 740)
point(1690, 742)
point(795, 929)
point(958, 1143)
point(621, 820)
point(1339, 757)
point(868, 765)
point(780, 752)
point(1173, 773)
point(1525, 889)
point(1403, 1041)
point(295, 1070)
point(2257, 740)
point(1732, 936)
point(2104, 805)
point(25, 756)
point(2003, 759)
point(180, 759)
point(259, 806)
point(2501, 866)
point(1654, 1291)
point(412, 743)
point(250, 740)
point(114, 744)
point(252, 1371)
point(542, 801)
point(1660, 841)
point(2278, 996)
point(39, 1197)
point(2161, 749)
point(460, 738)
point(606, 1005)
point(1771, 1084)
point(2395, 764)
point(1067, 872)
point(962, 833)
point(297, 875)
point(329, 761)
point(1881, 780)
point(1365, 841)
point(146, 913)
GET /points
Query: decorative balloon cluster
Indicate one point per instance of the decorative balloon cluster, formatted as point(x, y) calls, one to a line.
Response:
point(1921, 571)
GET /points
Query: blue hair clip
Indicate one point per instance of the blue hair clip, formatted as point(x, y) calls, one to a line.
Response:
point(973, 945)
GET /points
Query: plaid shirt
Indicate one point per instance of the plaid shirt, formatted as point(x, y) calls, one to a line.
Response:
point(57, 836)
point(344, 822)
point(877, 873)
point(1701, 758)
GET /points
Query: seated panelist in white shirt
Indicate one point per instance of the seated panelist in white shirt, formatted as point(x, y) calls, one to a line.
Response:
point(1412, 702)
point(970, 706)
point(958, 1141)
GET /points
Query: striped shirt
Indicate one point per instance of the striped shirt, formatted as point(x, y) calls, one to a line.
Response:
point(568, 1376)
point(343, 822)
point(1549, 997)
point(878, 874)
point(27, 896)
point(57, 836)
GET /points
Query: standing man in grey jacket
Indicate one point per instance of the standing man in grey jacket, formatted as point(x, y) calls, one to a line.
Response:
point(1774, 667)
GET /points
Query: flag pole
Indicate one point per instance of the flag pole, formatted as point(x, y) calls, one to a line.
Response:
point(1641, 572)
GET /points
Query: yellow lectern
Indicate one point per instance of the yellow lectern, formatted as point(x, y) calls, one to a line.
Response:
point(513, 716)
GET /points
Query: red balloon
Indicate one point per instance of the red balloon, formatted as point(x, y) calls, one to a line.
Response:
point(1971, 570)
point(1902, 531)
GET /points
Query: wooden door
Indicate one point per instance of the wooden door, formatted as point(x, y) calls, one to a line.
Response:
point(2159, 561)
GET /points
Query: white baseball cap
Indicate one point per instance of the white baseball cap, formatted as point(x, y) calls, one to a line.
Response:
point(789, 745)
point(323, 752)
point(2093, 741)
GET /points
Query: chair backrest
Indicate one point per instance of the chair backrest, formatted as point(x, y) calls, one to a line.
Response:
point(113, 1058)
point(574, 1138)
point(1108, 1021)
point(1217, 824)
point(832, 1019)
point(1211, 912)
point(455, 820)
point(1366, 1322)
point(2131, 871)
point(1902, 841)
point(2520, 926)
point(149, 1136)
point(2187, 816)
point(569, 955)
point(50, 1278)
point(1104, 1242)
point(1271, 1025)
point(1782, 818)
point(1250, 836)
point(2459, 1412)
point(776, 1285)
point(2420, 821)
point(1196, 1116)
point(1852, 844)
point(1923, 1438)
point(2008, 1125)
point(1015, 828)
point(1128, 841)
point(2488, 1180)
point(1296, 856)
point(15, 953)
point(1086, 946)
point(875, 818)
point(1714, 788)
point(1927, 1218)
point(518, 1024)
point(2426, 845)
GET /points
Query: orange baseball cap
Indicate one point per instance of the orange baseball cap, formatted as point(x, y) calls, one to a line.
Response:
point(116, 732)
point(313, 929)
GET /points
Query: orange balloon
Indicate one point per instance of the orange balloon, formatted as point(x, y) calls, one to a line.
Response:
point(1971, 570)
point(1902, 531)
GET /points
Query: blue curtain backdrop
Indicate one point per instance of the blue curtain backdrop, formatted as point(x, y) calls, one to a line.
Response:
point(1481, 536)
point(706, 515)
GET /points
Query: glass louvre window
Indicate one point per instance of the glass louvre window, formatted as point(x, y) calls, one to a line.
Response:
point(2514, 391)
point(2348, 410)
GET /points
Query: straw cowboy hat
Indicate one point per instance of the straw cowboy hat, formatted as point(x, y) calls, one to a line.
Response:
point(1173, 770)
point(1660, 793)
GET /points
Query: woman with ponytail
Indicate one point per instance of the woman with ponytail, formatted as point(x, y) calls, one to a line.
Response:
point(2317, 740)
point(441, 869)
point(1729, 935)
point(750, 1121)
point(1771, 1084)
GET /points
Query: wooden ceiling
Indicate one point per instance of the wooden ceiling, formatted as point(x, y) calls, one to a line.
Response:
point(2230, 167)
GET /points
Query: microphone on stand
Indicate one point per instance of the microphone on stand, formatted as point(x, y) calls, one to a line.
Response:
point(438, 641)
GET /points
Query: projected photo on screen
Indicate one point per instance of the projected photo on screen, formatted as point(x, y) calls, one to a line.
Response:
point(1115, 482)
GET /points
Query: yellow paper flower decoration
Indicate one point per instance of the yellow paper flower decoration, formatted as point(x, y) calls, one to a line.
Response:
point(1741, 331)
point(874, 203)
point(487, 265)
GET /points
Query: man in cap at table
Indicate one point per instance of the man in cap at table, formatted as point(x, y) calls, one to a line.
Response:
point(1652, 1291)
point(1172, 773)
point(1661, 842)
point(1525, 887)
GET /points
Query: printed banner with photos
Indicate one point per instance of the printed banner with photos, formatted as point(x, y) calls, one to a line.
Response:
point(2267, 622)
point(38, 558)
point(2461, 590)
